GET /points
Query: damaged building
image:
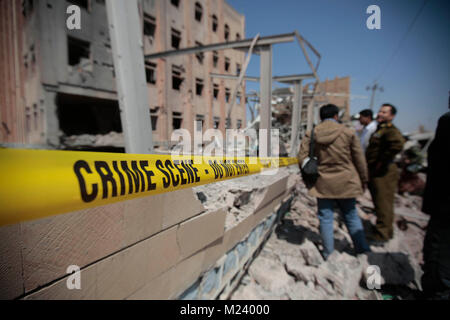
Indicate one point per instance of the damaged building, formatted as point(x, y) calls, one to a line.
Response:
point(58, 86)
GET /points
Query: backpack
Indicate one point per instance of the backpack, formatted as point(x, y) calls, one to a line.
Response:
point(309, 168)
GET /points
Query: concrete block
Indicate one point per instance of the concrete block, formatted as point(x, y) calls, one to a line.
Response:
point(60, 291)
point(11, 281)
point(160, 288)
point(79, 238)
point(213, 252)
point(273, 191)
point(233, 235)
point(187, 272)
point(125, 272)
point(180, 205)
point(200, 231)
point(142, 218)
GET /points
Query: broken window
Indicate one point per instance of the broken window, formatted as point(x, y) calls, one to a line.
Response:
point(80, 3)
point(216, 122)
point(239, 124)
point(215, 23)
point(227, 95)
point(199, 55)
point(215, 91)
point(176, 38)
point(177, 120)
point(227, 64)
point(238, 69)
point(150, 72)
point(198, 11)
point(78, 50)
point(149, 27)
point(177, 79)
point(198, 86)
point(86, 115)
point(227, 32)
point(215, 58)
point(176, 3)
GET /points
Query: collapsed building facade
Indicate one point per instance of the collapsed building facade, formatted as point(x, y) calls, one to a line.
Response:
point(58, 86)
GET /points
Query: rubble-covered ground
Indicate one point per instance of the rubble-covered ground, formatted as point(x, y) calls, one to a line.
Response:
point(290, 265)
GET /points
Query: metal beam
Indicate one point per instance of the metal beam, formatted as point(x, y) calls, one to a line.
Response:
point(266, 94)
point(282, 79)
point(293, 78)
point(128, 53)
point(296, 117)
point(241, 44)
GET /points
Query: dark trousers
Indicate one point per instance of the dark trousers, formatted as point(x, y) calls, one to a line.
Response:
point(382, 189)
point(436, 256)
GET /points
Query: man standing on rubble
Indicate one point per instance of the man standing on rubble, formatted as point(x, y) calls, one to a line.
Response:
point(369, 127)
point(436, 203)
point(384, 145)
point(343, 176)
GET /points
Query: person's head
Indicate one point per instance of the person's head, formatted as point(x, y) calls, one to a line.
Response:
point(329, 111)
point(387, 113)
point(365, 117)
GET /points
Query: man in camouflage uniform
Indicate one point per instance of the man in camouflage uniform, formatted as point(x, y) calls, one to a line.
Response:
point(384, 144)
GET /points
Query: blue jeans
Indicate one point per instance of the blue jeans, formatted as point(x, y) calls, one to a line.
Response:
point(352, 221)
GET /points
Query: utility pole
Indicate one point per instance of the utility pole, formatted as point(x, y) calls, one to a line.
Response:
point(374, 88)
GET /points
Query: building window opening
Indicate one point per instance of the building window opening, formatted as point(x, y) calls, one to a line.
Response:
point(239, 124)
point(175, 3)
point(177, 120)
point(238, 98)
point(216, 91)
point(198, 11)
point(227, 64)
point(238, 69)
point(238, 37)
point(199, 86)
point(215, 58)
point(227, 95)
point(199, 55)
point(154, 118)
point(216, 122)
point(78, 51)
point(150, 72)
point(81, 3)
point(149, 26)
point(177, 79)
point(228, 123)
point(215, 23)
point(227, 32)
point(176, 38)
point(200, 122)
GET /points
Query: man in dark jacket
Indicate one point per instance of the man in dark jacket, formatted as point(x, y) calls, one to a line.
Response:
point(384, 145)
point(436, 203)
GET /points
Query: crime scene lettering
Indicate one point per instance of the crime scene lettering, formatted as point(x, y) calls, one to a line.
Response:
point(119, 178)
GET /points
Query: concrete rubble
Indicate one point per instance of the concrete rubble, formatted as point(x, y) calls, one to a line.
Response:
point(290, 265)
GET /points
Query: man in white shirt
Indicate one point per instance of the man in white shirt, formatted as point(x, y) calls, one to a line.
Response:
point(370, 126)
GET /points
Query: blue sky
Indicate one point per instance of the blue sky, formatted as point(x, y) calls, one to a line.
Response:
point(417, 80)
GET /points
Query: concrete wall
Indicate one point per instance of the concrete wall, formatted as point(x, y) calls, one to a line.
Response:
point(148, 248)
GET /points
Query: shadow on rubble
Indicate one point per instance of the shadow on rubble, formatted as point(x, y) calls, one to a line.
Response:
point(398, 275)
point(291, 233)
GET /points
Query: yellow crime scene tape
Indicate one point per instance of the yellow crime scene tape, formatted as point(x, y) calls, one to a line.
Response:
point(36, 184)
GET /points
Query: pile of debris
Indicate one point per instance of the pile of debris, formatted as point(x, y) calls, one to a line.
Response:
point(290, 265)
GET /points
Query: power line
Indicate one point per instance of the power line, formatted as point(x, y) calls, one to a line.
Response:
point(402, 40)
